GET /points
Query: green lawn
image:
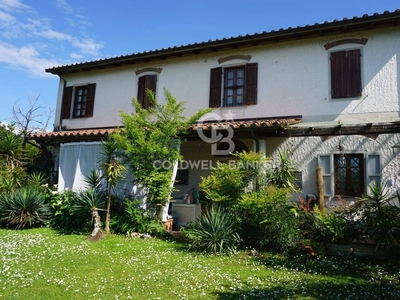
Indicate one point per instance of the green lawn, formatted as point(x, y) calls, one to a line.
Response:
point(42, 264)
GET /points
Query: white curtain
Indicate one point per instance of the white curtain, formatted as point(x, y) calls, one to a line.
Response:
point(75, 162)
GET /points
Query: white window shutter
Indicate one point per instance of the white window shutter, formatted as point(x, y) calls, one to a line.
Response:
point(374, 168)
point(325, 161)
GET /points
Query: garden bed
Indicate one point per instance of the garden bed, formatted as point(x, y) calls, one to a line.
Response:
point(357, 250)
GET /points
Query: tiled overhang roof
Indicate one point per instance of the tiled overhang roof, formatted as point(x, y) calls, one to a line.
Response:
point(98, 134)
point(72, 135)
point(335, 27)
point(249, 124)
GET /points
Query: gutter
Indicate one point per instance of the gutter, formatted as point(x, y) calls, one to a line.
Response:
point(62, 101)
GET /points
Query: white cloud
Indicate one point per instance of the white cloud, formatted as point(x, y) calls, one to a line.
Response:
point(76, 56)
point(25, 58)
point(13, 5)
point(62, 4)
point(30, 42)
point(6, 18)
point(88, 46)
point(51, 34)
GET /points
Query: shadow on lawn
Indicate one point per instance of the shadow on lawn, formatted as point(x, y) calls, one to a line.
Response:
point(316, 290)
point(330, 278)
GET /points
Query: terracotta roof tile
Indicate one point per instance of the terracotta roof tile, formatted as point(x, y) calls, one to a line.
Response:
point(256, 123)
point(97, 134)
point(72, 134)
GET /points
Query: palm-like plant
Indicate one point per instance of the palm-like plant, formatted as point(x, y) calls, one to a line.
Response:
point(381, 217)
point(215, 231)
point(113, 170)
point(10, 148)
point(89, 201)
point(283, 175)
point(36, 179)
point(94, 180)
point(25, 206)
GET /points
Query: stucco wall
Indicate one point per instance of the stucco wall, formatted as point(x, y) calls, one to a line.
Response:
point(293, 79)
point(305, 150)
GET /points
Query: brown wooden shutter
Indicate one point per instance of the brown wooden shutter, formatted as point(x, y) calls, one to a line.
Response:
point(346, 73)
point(251, 84)
point(151, 84)
point(90, 100)
point(215, 87)
point(354, 71)
point(66, 103)
point(141, 90)
point(147, 82)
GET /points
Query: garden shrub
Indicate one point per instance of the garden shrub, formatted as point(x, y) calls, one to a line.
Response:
point(224, 185)
point(268, 220)
point(214, 231)
point(62, 218)
point(132, 219)
point(25, 207)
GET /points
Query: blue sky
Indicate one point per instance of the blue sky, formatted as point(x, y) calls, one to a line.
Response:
point(39, 34)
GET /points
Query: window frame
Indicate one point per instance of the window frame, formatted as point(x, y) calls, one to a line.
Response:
point(345, 72)
point(182, 177)
point(350, 186)
point(146, 82)
point(80, 101)
point(371, 173)
point(217, 96)
point(68, 106)
point(234, 86)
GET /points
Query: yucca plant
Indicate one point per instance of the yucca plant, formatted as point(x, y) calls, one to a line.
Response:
point(214, 231)
point(381, 217)
point(89, 201)
point(25, 206)
point(36, 179)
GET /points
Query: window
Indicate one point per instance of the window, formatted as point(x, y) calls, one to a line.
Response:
point(298, 179)
point(345, 73)
point(239, 85)
point(80, 99)
point(182, 177)
point(349, 174)
point(146, 82)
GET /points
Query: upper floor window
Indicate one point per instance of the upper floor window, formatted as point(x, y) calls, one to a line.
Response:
point(345, 73)
point(146, 82)
point(78, 101)
point(238, 87)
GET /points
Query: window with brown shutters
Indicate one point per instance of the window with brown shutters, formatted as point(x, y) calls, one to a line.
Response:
point(346, 73)
point(239, 85)
point(81, 99)
point(146, 82)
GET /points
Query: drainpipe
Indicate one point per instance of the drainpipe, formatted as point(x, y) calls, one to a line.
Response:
point(62, 99)
point(257, 142)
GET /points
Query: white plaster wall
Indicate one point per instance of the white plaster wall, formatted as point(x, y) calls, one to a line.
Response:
point(305, 150)
point(293, 79)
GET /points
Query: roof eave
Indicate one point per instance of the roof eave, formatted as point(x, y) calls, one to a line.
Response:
point(345, 25)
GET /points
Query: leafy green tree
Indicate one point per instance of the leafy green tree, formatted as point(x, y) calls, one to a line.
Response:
point(150, 141)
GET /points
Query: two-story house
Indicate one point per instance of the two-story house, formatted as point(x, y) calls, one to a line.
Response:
point(329, 93)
